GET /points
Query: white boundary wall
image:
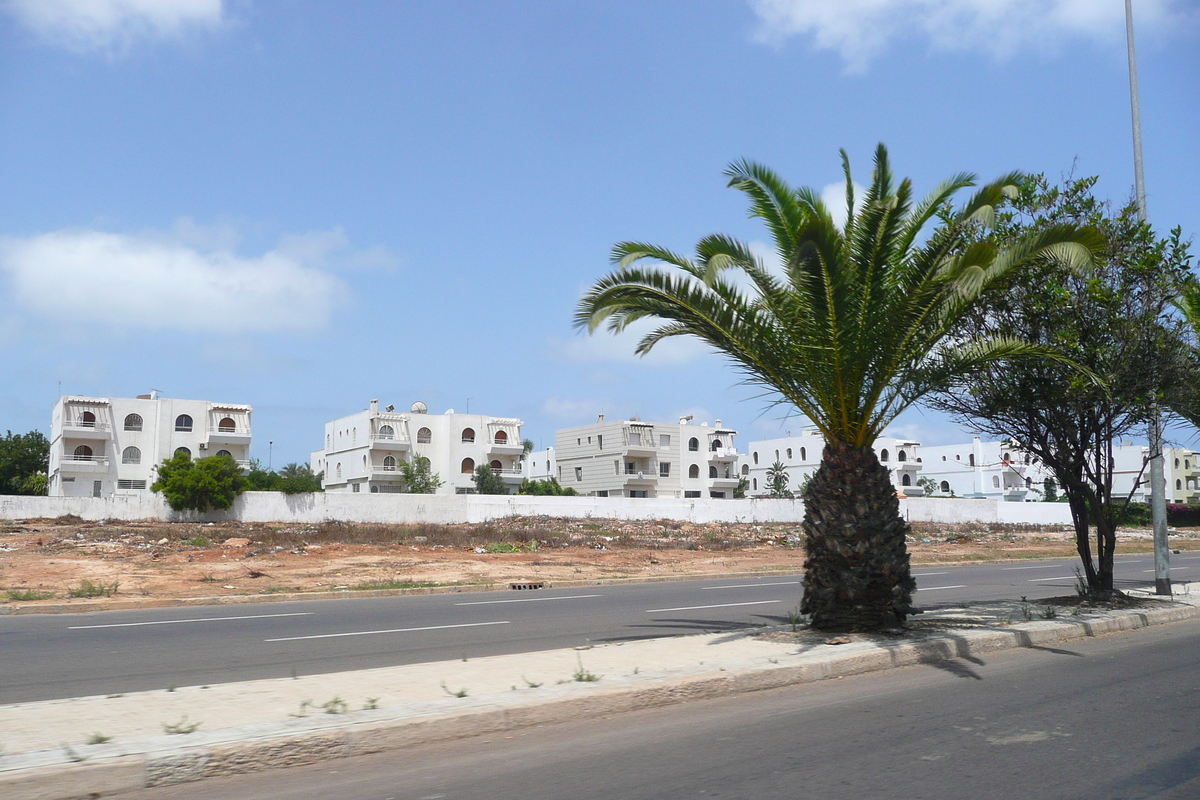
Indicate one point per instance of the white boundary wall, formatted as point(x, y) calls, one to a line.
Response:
point(449, 509)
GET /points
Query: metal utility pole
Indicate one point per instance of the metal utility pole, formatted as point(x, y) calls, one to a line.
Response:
point(1158, 482)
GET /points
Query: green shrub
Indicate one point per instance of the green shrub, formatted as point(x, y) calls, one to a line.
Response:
point(200, 485)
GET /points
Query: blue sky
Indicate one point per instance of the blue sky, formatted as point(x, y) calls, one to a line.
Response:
point(304, 205)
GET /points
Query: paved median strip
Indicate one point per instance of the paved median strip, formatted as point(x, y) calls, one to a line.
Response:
point(718, 605)
point(391, 630)
point(932, 588)
point(527, 600)
point(180, 621)
point(1059, 578)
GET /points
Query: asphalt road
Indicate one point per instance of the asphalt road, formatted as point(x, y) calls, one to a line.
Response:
point(54, 656)
point(1113, 718)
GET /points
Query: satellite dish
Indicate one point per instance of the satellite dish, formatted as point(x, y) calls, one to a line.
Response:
point(639, 475)
point(419, 408)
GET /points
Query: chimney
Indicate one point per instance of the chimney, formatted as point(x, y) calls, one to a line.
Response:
point(374, 406)
point(599, 418)
point(718, 423)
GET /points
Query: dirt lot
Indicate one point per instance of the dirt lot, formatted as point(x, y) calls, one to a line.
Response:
point(66, 559)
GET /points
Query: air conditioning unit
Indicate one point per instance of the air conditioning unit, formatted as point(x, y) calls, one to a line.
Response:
point(203, 446)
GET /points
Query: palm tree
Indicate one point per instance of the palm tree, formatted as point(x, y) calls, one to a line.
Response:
point(857, 327)
point(777, 480)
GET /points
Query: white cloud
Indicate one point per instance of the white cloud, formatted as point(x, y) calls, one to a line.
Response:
point(603, 346)
point(114, 25)
point(148, 281)
point(834, 197)
point(576, 411)
point(859, 30)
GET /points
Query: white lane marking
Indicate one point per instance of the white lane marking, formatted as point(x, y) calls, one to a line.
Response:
point(1063, 578)
point(931, 588)
point(923, 574)
point(1039, 566)
point(527, 600)
point(719, 605)
point(1150, 570)
point(198, 619)
point(752, 585)
point(393, 630)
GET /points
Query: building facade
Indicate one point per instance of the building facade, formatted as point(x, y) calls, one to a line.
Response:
point(364, 452)
point(979, 469)
point(100, 446)
point(632, 458)
point(801, 455)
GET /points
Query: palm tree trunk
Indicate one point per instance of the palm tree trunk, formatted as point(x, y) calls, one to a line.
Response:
point(856, 575)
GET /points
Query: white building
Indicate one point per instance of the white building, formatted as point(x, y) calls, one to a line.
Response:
point(1180, 467)
point(540, 465)
point(801, 455)
point(995, 470)
point(100, 446)
point(631, 458)
point(363, 452)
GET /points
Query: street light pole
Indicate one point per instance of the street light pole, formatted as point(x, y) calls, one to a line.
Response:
point(270, 454)
point(1158, 482)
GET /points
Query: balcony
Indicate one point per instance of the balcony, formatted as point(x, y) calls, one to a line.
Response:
point(227, 434)
point(509, 474)
point(507, 447)
point(82, 429)
point(385, 471)
point(387, 441)
point(74, 463)
point(640, 443)
point(723, 454)
point(730, 482)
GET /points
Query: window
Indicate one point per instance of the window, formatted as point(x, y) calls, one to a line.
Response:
point(957, 457)
point(183, 451)
point(468, 466)
point(83, 453)
point(630, 468)
point(995, 481)
point(354, 437)
point(424, 436)
point(693, 444)
point(1177, 464)
point(602, 493)
point(133, 422)
point(905, 480)
point(387, 432)
point(183, 423)
point(389, 463)
point(364, 463)
point(600, 443)
point(339, 470)
point(131, 455)
point(789, 452)
point(1028, 483)
point(755, 457)
point(694, 471)
point(883, 454)
point(803, 454)
point(496, 465)
point(1006, 457)
point(88, 420)
point(712, 472)
point(717, 495)
point(945, 485)
point(501, 437)
point(943, 458)
point(616, 466)
point(971, 458)
point(745, 469)
point(901, 456)
point(691, 494)
point(579, 473)
point(754, 484)
point(664, 469)
point(468, 436)
point(327, 441)
point(226, 425)
point(664, 440)
point(716, 445)
point(638, 493)
point(1178, 484)
point(776, 455)
point(225, 453)
point(129, 484)
point(354, 487)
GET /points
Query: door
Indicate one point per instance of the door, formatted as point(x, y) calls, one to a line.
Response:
point(96, 488)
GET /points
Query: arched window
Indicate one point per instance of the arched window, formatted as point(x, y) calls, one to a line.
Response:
point(883, 454)
point(424, 436)
point(131, 455)
point(789, 452)
point(468, 466)
point(693, 444)
point(225, 453)
point(183, 423)
point(226, 425)
point(133, 422)
point(387, 432)
point(754, 481)
point(88, 420)
point(389, 463)
point(83, 453)
point(901, 455)
point(354, 437)
point(468, 436)
point(716, 445)
point(339, 470)
point(803, 454)
point(957, 457)
point(1178, 484)
point(996, 481)
point(712, 472)
point(183, 451)
point(1177, 467)
point(945, 485)
point(1028, 483)
point(496, 465)
point(943, 458)
point(745, 469)
point(905, 480)
point(364, 463)
point(1027, 458)
point(327, 441)
point(501, 437)
point(694, 471)
point(971, 458)
point(1006, 457)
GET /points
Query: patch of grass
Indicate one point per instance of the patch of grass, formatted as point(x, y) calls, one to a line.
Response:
point(198, 541)
point(453, 693)
point(335, 706)
point(502, 547)
point(371, 704)
point(373, 585)
point(583, 675)
point(98, 738)
point(182, 727)
point(280, 590)
point(529, 683)
point(88, 589)
point(209, 578)
point(25, 595)
point(1048, 612)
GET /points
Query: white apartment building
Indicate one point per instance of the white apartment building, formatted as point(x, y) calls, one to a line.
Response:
point(100, 446)
point(979, 469)
point(1180, 467)
point(540, 465)
point(801, 455)
point(632, 458)
point(363, 451)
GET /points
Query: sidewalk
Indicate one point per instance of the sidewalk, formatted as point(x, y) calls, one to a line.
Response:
point(174, 736)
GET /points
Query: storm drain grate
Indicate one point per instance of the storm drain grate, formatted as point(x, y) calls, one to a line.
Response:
point(528, 585)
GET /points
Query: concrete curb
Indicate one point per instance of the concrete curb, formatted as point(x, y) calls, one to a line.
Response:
point(61, 774)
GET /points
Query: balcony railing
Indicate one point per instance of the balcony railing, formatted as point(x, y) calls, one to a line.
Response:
point(225, 429)
point(95, 425)
point(508, 472)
